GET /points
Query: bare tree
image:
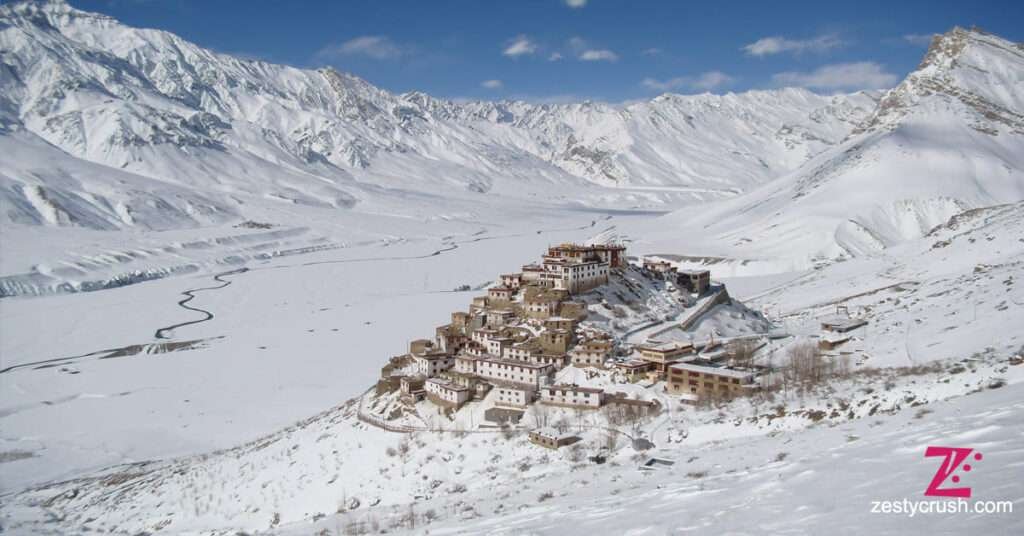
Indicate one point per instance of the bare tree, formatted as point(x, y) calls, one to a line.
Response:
point(741, 353)
point(541, 415)
point(807, 367)
point(611, 441)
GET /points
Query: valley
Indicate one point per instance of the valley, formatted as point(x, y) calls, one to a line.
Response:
point(240, 297)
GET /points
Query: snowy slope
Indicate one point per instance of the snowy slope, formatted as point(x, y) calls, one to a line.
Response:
point(149, 103)
point(943, 337)
point(948, 139)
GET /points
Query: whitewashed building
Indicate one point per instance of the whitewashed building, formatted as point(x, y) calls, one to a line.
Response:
point(516, 396)
point(507, 370)
point(572, 396)
point(433, 363)
point(446, 393)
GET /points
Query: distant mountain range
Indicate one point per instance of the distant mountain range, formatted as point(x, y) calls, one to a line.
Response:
point(108, 127)
point(948, 139)
point(113, 126)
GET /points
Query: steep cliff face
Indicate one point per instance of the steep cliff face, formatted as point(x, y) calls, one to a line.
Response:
point(153, 105)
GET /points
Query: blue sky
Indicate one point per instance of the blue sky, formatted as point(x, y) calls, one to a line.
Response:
point(558, 50)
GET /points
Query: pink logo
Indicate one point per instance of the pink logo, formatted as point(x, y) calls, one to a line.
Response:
point(953, 458)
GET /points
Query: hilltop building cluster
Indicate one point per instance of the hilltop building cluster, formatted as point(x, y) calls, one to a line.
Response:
point(511, 342)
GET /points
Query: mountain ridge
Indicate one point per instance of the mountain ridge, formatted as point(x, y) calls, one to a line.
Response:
point(134, 99)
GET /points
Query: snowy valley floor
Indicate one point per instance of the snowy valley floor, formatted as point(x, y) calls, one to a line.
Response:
point(299, 333)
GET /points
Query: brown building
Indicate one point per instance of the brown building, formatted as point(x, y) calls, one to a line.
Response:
point(634, 369)
point(551, 438)
point(500, 294)
point(694, 281)
point(560, 323)
point(661, 355)
point(659, 266)
point(513, 281)
point(592, 352)
point(708, 380)
point(611, 254)
point(555, 341)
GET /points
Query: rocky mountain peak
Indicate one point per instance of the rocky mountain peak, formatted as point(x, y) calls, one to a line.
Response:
point(978, 70)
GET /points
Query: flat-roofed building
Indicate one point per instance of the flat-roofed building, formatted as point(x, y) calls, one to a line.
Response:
point(551, 438)
point(513, 281)
point(611, 254)
point(572, 396)
point(706, 379)
point(509, 371)
point(512, 395)
point(433, 363)
point(446, 393)
point(500, 294)
point(412, 387)
point(497, 318)
point(663, 353)
point(694, 281)
point(465, 364)
point(542, 303)
point(659, 266)
point(555, 341)
point(592, 352)
point(575, 277)
point(560, 323)
point(838, 323)
point(634, 369)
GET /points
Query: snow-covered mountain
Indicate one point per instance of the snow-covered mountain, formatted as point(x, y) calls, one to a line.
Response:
point(948, 139)
point(141, 128)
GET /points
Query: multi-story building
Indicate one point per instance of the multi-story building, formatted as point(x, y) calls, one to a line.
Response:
point(500, 294)
point(431, 364)
point(706, 379)
point(575, 277)
point(497, 318)
point(572, 396)
point(610, 254)
point(446, 393)
point(509, 371)
point(542, 303)
point(517, 396)
point(592, 352)
point(660, 355)
point(513, 281)
point(694, 281)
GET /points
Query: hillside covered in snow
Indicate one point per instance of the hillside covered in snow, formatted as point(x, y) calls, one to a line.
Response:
point(206, 260)
point(948, 139)
point(148, 130)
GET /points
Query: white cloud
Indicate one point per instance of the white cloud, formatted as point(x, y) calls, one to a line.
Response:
point(776, 45)
point(703, 82)
point(492, 84)
point(555, 56)
point(585, 51)
point(576, 4)
point(653, 51)
point(598, 55)
point(920, 40)
point(520, 45)
point(857, 75)
point(378, 47)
